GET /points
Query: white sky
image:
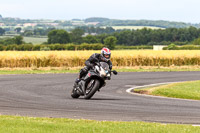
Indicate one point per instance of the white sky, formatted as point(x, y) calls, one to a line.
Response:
point(172, 10)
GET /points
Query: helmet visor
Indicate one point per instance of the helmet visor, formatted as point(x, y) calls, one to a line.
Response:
point(107, 56)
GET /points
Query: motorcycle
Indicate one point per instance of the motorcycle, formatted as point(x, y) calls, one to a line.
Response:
point(93, 81)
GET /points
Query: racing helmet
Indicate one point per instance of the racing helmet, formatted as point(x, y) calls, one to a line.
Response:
point(105, 52)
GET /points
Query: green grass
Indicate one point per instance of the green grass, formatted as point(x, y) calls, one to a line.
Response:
point(184, 90)
point(16, 124)
point(67, 70)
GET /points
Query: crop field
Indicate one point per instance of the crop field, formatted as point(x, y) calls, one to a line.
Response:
point(120, 58)
point(35, 40)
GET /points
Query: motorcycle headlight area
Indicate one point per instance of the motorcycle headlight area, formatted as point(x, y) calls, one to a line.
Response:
point(102, 73)
point(107, 73)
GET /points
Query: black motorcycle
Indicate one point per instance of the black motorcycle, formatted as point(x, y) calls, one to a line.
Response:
point(93, 81)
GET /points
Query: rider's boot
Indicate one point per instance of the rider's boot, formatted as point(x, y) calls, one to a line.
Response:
point(82, 73)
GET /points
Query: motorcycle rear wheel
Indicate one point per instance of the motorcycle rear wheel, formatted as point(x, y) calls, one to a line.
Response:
point(74, 93)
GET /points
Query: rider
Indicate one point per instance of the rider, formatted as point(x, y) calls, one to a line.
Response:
point(90, 63)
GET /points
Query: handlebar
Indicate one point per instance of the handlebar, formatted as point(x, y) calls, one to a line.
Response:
point(114, 72)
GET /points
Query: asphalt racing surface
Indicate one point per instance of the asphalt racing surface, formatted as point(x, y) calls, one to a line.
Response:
point(48, 95)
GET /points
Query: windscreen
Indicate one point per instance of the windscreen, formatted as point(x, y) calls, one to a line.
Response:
point(105, 66)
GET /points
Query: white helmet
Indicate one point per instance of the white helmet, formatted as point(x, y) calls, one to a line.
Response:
point(105, 52)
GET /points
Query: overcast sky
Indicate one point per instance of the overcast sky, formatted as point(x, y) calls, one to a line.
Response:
point(172, 10)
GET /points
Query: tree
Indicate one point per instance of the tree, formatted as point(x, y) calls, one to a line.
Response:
point(28, 33)
point(8, 41)
point(1, 47)
point(90, 39)
point(48, 30)
point(2, 31)
point(124, 37)
point(172, 46)
point(101, 37)
point(109, 30)
point(196, 41)
point(76, 35)
point(18, 29)
point(58, 36)
point(110, 42)
point(39, 31)
point(18, 40)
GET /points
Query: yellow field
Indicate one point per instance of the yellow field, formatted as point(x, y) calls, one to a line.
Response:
point(128, 58)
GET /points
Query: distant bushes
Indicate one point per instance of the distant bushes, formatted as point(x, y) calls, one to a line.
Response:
point(86, 46)
point(59, 47)
point(44, 47)
point(184, 47)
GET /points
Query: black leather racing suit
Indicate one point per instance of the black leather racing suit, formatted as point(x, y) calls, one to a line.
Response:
point(91, 62)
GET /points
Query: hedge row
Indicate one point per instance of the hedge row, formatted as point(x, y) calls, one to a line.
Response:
point(84, 46)
point(133, 47)
point(184, 47)
point(30, 47)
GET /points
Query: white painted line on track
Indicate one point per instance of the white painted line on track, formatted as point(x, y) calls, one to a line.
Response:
point(196, 125)
point(152, 85)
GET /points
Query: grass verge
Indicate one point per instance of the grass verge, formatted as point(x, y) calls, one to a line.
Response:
point(16, 124)
point(184, 90)
point(77, 69)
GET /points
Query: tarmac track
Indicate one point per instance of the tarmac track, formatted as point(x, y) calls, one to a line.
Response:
point(48, 95)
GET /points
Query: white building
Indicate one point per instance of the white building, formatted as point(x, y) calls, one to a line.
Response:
point(158, 47)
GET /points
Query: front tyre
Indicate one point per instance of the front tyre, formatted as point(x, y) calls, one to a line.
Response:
point(91, 88)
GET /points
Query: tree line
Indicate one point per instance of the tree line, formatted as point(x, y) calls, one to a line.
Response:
point(144, 36)
point(161, 36)
point(76, 37)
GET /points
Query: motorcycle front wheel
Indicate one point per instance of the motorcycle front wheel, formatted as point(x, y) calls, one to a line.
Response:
point(91, 88)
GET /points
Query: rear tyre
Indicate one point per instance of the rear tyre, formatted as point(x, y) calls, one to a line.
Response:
point(95, 87)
